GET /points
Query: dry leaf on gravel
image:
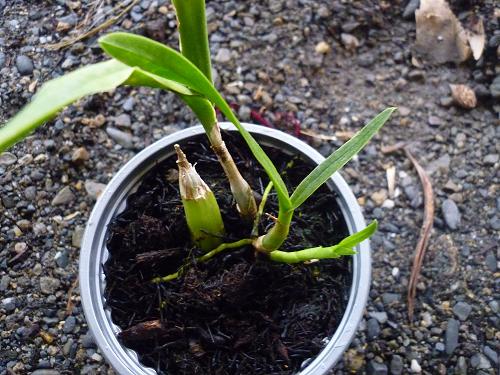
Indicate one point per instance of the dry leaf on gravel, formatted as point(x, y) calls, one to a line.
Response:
point(476, 36)
point(464, 96)
point(440, 36)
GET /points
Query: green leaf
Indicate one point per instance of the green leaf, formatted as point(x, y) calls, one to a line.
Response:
point(60, 92)
point(156, 58)
point(338, 159)
point(193, 36)
point(356, 238)
point(343, 248)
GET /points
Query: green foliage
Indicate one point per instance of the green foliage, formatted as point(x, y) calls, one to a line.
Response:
point(338, 159)
point(193, 34)
point(60, 92)
point(344, 247)
point(158, 59)
point(139, 61)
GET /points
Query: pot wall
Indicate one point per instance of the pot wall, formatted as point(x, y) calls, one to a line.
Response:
point(94, 253)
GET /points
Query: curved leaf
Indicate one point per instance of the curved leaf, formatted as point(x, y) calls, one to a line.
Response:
point(156, 58)
point(56, 94)
point(338, 159)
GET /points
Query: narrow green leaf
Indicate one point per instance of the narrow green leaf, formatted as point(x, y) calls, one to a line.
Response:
point(62, 91)
point(193, 36)
point(343, 248)
point(338, 159)
point(158, 59)
point(356, 238)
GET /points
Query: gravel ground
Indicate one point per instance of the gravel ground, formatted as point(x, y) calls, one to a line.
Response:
point(268, 55)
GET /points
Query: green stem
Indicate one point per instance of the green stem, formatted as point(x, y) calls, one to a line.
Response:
point(205, 257)
point(255, 229)
point(224, 246)
point(273, 239)
point(343, 248)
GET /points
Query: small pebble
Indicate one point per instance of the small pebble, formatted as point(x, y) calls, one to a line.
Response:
point(24, 65)
point(451, 214)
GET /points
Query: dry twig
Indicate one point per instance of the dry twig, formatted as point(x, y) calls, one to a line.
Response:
point(425, 232)
point(69, 303)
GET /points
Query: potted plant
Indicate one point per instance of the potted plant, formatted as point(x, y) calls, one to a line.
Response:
point(210, 256)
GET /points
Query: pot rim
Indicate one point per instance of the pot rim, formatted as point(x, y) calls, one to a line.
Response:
point(112, 201)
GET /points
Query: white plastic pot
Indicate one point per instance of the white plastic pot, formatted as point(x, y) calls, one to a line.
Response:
point(94, 253)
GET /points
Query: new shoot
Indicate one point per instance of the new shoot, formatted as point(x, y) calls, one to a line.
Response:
point(202, 212)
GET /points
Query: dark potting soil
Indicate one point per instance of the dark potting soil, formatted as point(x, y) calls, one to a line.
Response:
point(237, 313)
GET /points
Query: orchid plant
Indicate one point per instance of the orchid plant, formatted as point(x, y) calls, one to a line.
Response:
point(139, 61)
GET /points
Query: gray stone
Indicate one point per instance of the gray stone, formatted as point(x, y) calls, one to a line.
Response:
point(416, 75)
point(7, 158)
point(462, 310)
point(123, 120)
point(491, 261)
point(375, 368)
point(451, 336)
point(9, 304)
point(94, 189)
point(389, 298)
point(441, 164)
point(69, 324)
point(223, 56)
point(49, 285)
point(122, 138)
point(70, 19)
point(480, 361)
point(372, 328)
point(490, 159)
point(411, 7)
point(451, 214)
point(397, 365)
point(461, 367)
point(494, 306)
point(495, 223)
point(349, 41)
point(64, 196)
point(24, 65)
point(5, 281)
point(491, 354)
point(62, 258)
point(2, 59)
point(128, 104)
point(435, 121)
point(440, 347)
point(30, 193)
point(244, 112)
point(45, 372)
point(495, 88)
point(381, 316)
point(366, 60)
point(88, 341)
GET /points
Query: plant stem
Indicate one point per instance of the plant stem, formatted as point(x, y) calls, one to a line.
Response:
point(205, 257)
point(194, 46)
point(267, 190)
point(224, 246)
point(273, 239)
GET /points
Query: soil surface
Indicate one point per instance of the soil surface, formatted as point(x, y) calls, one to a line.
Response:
point(266, 64)
point(239, 312)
